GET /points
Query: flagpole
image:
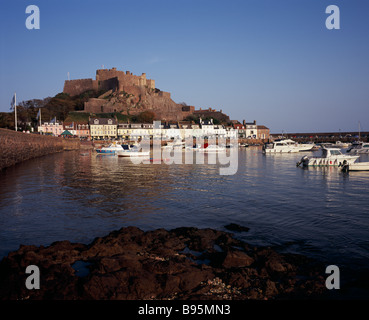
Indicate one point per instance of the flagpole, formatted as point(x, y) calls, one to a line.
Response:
point(15, 111)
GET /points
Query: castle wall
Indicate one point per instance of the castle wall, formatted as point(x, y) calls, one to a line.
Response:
point(95, 105)
point(76, 87)
point(164, 94)
point(150, 83)
point(124, 78)
point(108, 84)
point(137, 92)
point(187, 111)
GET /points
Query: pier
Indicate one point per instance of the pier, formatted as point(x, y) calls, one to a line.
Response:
point(318, 137)
point(18, 146)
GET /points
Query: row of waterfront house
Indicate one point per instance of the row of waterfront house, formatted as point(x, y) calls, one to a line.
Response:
point(110, 128)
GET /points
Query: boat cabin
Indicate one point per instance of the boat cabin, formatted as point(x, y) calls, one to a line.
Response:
point(328, 152)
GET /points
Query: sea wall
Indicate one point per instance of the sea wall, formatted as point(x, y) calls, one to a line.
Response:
point(18, 146)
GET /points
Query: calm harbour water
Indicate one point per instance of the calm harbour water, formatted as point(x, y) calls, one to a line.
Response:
point(319, 212)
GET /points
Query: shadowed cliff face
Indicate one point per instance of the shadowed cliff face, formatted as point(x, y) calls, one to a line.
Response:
point(134, 100)
point(184, 263)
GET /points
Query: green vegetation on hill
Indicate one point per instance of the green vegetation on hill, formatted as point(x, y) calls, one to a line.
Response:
point(7, 120)
point(66, 109)
point(77, 117)
point(59, 107)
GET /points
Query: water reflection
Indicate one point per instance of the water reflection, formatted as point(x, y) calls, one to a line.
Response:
point(78, 196)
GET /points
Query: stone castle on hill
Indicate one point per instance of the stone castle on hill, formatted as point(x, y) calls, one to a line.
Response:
point(130, 94)
point(108, 79)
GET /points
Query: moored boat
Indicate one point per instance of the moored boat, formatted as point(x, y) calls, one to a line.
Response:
point(132, 151)
point(244, 145)
point(355, 166)
point(175, 144)
point(211, 148)
point(359, 147)
point(112, 149)
point(337, 144)
point(286, 146)
point(342, 145)
point(330, 157)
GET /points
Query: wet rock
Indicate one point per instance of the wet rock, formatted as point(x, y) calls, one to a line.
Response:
point(236, 227)
point(271, 289)
point(184, 263)
point(237, 259)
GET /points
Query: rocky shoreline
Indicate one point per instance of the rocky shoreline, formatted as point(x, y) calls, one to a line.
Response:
point(180, 264)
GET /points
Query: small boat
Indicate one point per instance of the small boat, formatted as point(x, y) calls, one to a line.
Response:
point(132, 151)
point(286, 146)
point(355, 166)
point(337, 144)
point(175, 144)
point(193, 148)
point(315, 148)
point(110, 150)
point(231, 146)
point(245, 145)
point(330, 157)
point(211, 148)
point(342, 145)
point(358, 147)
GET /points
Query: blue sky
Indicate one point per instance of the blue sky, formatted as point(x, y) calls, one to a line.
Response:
point(272, 61)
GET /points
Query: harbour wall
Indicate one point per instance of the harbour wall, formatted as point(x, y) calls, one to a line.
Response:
point(323, 136)
point(16, 147)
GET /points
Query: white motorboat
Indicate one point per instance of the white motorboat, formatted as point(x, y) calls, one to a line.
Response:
point(342, 145)
point(175, 144)
point(211, 148)
point(337, 144)
point(355, 166)
point(330, 157)
point(359, 147)
point(132, 151)
point(193, 148)
point(286, 146)
point(245, 145)
point(112, 149)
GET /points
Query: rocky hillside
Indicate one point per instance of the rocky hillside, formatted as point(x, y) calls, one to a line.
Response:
point(135, 100)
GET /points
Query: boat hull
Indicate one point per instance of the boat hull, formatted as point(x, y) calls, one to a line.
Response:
point(357, 166)
point(294, 150)
point(101, 151)
point(132, 154)
point(324, 162)
point(208, 150)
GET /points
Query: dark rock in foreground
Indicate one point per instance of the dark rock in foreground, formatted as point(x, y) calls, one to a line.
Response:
point(236, 227)
point(184, 263)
